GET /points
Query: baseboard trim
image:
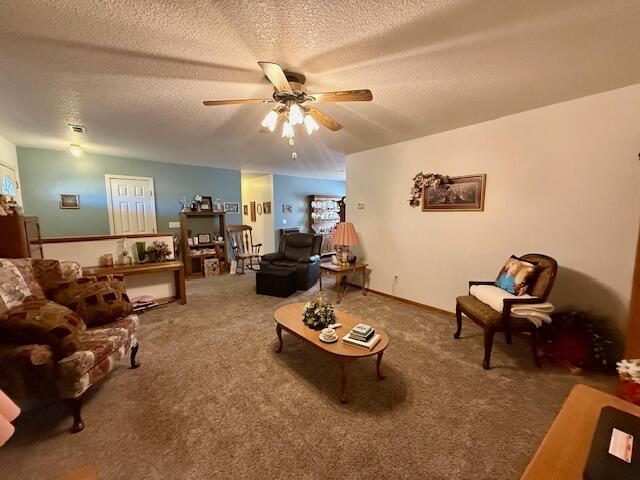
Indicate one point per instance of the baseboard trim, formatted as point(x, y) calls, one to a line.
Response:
point(407, 301)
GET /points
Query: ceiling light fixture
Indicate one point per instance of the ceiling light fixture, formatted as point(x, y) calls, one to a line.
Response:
point(270, 120)
point(310, 124)
point(75, 149)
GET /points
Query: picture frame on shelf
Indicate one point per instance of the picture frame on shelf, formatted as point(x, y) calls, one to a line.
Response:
point(266, 208)
point(206, 204)
point(232, 208)
point(69, 200)
point(204, 238)
point(462, 194)
point(190, 241)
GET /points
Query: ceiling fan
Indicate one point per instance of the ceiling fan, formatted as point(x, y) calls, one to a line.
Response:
point(293, 105)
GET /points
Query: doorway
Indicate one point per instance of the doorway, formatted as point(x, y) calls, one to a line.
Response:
point(131, 204)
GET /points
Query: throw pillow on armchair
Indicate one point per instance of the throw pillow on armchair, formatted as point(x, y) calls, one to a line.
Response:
point(97, 299)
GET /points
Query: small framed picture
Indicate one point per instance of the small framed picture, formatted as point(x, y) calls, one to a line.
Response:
point(190, 241)
point(266, 208)
point(245, 209)
point(206, 205)
point(204, 238)
point(69, 200)
point(287, 208)
point(194, 240)
point(232, 207)
point(253, 211)
point(259, 208)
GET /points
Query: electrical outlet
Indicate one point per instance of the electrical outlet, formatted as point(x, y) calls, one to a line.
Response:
point(361, 206)
point(174, 224)
point(284, 221)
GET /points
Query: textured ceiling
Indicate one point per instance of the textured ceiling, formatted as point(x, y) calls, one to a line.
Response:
point(135, 72)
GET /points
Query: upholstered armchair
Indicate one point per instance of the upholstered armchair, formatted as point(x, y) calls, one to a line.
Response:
point(299, 252)
point(493, 321)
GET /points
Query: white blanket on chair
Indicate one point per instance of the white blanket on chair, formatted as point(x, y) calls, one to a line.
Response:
point(537, 313)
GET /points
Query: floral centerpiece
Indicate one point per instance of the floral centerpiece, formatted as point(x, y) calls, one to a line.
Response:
point(629, 371)
point(158, 252)
point(318, 313)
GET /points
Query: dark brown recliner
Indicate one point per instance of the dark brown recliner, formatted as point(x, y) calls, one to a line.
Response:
point(493, 321)
point(300, 253)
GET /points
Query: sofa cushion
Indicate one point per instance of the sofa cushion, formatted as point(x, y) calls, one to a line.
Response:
point(42, 321)
point(25, 267)
point(97, 299)
point(13, 288)
point(47, 273)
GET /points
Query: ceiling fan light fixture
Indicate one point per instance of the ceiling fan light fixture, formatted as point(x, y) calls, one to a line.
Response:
point(310, 124)
point(287, 129)
point(295, 114)
point(270, 120)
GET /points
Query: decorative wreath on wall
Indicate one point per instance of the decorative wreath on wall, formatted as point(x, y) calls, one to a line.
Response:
point(422, 180)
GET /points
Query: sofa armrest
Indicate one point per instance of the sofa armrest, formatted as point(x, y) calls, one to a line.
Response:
point(27, 371)
point(270, 257)
point(309, 259)
point(480, 282)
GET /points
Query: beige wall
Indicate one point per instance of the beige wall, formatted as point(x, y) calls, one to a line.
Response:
point(259, 188)
point(9, 158)
point(562, 180)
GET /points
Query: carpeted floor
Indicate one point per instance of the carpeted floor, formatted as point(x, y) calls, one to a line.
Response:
point(212, 400)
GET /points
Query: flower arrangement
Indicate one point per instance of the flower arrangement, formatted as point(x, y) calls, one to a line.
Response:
point(318, 313)
point(158, 252)
point(580, 341)
point(422, 180)
point(629, 371)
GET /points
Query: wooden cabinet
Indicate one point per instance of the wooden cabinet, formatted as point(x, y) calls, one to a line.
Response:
point(191, 225)
point(325, 213)
point(20, 237)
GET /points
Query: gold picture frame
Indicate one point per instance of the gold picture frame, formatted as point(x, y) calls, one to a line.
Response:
point(461, 194)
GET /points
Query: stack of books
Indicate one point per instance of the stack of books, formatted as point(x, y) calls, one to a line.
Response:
point(361, 336)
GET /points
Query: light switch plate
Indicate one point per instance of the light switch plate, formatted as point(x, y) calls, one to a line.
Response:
point(174, 224)
point(284, 221)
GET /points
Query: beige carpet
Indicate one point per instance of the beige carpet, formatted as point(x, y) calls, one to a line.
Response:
point(212, 400)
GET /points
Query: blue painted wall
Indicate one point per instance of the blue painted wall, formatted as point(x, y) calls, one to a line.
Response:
point(45, 174)
point(294, 191)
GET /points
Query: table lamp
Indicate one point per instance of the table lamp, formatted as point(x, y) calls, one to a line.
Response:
point(344, 237)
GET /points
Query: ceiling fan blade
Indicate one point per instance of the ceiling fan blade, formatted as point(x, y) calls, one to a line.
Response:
point(342, 96)
point(276, 75)
point(324, 119)
point(210, 103)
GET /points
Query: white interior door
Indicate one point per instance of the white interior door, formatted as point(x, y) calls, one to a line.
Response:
point(132, 207)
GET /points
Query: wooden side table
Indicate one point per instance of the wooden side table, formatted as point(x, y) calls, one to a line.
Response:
point(145, 268)
point(341, 271)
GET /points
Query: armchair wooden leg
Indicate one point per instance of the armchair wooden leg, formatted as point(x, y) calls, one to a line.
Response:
point(488, 345)
point(76, 406)
point(534, 347)
point(134, 352)
point(459, 321)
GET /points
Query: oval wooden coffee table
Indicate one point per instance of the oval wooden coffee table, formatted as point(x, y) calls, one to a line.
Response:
point(289, 318)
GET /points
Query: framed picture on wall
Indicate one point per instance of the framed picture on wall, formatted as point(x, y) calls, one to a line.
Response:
point(287, 208)
point(259, 207)
point(462, 194)
point(266, 207)
point(253, 211)
point(232, 207)
point(69, 200)
point(246, 209)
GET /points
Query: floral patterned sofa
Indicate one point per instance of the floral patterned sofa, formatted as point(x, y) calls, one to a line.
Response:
point(38, 371)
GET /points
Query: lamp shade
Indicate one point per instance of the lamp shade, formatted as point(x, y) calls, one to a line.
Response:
point(345, 234)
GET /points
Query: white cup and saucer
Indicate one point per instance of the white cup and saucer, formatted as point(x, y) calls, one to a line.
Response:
point(328, 335)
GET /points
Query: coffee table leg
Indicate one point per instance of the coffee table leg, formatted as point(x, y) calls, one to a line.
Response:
point(339, 286)
point(378, 371)
point(364, 289)
point(342, 363)
point(279, 333)
point(320, 278)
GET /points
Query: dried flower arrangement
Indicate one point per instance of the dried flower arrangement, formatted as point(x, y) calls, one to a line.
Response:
point(158, 252)
point(422, 180)
point(579, 341)
point(318, 313)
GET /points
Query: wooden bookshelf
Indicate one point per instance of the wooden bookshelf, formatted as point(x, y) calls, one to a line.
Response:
point(195, 223)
